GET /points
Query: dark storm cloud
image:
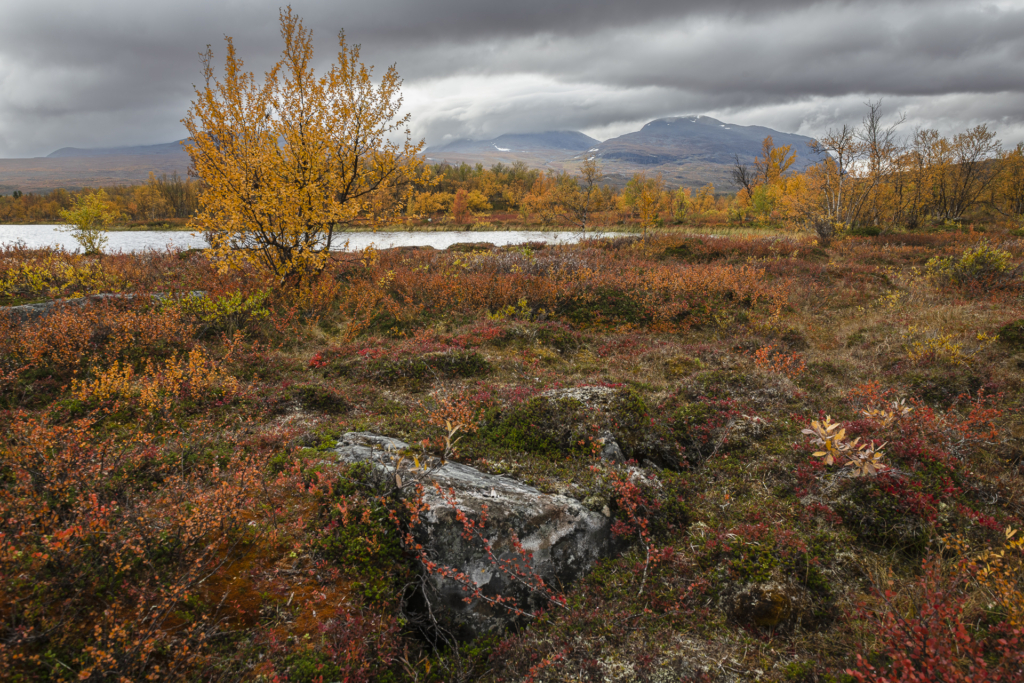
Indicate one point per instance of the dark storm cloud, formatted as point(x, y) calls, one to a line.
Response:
point(104, 73)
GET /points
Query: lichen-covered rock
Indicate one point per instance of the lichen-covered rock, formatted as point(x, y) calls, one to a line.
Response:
point(562, 538)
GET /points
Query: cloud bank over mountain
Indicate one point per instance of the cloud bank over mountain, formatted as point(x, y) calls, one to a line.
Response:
point(110, 72)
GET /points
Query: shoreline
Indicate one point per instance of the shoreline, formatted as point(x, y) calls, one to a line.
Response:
point(729, 229)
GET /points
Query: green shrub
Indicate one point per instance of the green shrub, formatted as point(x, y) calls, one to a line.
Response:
point(225, 313)
point(606, 304)
point(864, 231)
point(980, 265)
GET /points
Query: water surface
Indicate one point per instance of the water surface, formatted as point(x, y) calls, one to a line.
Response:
point(36, 236)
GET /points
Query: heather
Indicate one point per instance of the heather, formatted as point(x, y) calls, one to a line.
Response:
point(823, 477)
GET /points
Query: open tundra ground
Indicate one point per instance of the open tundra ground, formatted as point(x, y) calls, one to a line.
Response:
point(817, 456)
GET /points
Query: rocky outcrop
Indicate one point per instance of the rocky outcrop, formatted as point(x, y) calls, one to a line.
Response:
point(561, 538)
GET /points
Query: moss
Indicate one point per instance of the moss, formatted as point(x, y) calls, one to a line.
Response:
point(363, 542)
point(279, 463)
point(798, 671)
point(543, 426)
point(1011, 335)
point(634, 428)
point(794, 339)
point(696, 427)
point(680, 366)
point(881, 520)
point(310, 667)
point(320, 398)
point(606, 304)
point(443, 365)
point(858, 338)
point(560, 337)
point(940, 385)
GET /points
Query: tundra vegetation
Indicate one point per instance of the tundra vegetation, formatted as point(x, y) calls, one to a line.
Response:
point(825, 476)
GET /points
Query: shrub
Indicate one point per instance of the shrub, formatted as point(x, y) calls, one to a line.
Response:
point(984, 264)
point(86, 221)
point(932, 639)
point(225, 313)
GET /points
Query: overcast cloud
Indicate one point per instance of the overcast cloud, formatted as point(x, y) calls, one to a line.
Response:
point(109, 72)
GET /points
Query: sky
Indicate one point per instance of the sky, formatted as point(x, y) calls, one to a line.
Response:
point(121, 72)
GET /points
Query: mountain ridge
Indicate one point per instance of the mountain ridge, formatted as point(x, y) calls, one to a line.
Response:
point(130, 150)
point(688, 151)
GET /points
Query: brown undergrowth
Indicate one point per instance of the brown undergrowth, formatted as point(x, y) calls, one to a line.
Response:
point(171, 510)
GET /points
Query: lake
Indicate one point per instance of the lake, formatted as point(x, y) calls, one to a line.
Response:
point(48, 235)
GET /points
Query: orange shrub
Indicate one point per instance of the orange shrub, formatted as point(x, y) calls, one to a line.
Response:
point(103, 540)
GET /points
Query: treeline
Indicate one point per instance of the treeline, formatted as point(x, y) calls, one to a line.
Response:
point(871, 177)
point(868, 178)
point(162, 198)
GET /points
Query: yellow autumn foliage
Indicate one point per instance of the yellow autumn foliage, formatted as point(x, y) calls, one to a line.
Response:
point(289, 162)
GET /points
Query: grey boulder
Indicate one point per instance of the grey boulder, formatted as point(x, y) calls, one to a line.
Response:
point(559, 539)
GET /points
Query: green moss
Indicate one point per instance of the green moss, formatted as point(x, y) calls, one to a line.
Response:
point(445, 365)
point(320, 398)
point(567, 427)
point(880, 520)
point(1012, 335)
point(721, 383)
point(632, 426)
point(798, 671)
point(858, 338)
point(311, 667)
point(605, 304)
point(940, 385)
point(363, 541)
point(542, 426)
point(559, 337)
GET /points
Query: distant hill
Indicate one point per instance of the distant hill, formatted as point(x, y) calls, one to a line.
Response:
point(557, 141)
point(73, 168)
point(172, 148)
point(701, 140)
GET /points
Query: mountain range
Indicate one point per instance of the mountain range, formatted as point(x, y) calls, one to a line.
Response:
point(72, 168)
point(688, 151)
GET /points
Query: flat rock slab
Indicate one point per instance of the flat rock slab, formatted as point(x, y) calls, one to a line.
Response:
point(561, 537)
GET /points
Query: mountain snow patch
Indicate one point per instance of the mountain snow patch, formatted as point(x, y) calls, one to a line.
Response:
point(501, 149)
